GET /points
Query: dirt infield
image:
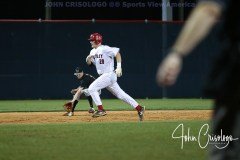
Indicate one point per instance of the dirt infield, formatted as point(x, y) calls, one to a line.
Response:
point(112, 116)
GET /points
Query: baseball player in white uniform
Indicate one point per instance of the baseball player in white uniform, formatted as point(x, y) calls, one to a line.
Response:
point(102, 56)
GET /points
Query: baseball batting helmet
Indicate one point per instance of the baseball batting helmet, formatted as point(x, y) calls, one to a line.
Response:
point(96, 37)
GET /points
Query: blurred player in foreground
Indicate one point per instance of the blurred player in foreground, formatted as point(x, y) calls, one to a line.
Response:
point(85, 80)
point(224, 80)
point(102, 56)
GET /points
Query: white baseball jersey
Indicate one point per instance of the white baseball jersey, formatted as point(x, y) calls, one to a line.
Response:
point(104, 58)
point(104, 62)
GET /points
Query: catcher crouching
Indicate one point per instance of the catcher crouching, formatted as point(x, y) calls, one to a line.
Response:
point(85, 81)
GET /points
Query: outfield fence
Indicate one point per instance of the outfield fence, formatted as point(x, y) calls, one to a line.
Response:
point(38, 57)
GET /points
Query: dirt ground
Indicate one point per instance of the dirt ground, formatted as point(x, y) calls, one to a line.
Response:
point(112, 116)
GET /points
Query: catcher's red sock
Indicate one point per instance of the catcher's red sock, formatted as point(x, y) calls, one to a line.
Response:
point(138, 108)
point(100, 107)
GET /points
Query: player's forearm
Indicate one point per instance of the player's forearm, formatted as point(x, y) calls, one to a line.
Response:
point(118, 58)
point(197, 27)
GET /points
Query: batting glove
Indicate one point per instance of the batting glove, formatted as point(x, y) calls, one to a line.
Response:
point(119, 72)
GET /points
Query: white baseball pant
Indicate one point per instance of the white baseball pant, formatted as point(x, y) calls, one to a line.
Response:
point(81, 91)
point(109, 81)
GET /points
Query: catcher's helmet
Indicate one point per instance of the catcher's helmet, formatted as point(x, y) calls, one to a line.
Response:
point(96, 37)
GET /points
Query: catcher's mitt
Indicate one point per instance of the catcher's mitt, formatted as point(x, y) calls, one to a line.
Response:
point(68, 107)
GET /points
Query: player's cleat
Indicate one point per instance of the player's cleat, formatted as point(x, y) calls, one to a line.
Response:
point(91, 110)
point(99, 113)
point(141, 114)
point(70, 114)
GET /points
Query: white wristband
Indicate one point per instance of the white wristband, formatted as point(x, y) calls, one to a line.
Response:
point(119, 65)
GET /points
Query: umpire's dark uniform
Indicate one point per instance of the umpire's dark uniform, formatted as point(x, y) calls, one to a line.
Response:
point(224, 83)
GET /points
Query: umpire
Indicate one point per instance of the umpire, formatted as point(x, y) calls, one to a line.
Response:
point(84, 82)
point(224, 81)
